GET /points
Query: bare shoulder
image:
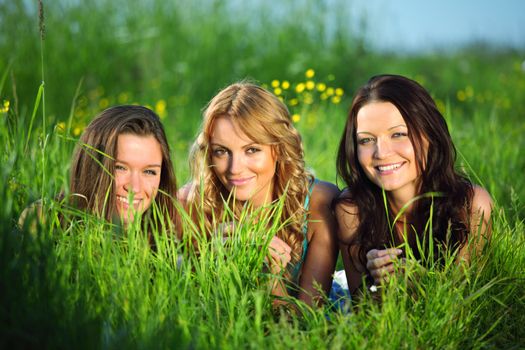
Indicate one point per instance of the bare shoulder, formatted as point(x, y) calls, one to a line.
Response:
point(347, 215)
point(344, 204)
point(323, 194)
point(481, 201)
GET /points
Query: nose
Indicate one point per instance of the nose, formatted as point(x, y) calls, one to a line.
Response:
point(134, 183)
point(383, 148)
point(236, 163)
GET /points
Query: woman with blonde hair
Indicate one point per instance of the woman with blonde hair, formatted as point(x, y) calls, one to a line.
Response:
point(248, 154)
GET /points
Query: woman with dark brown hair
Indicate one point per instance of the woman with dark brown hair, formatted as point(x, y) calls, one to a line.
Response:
point(397, 159)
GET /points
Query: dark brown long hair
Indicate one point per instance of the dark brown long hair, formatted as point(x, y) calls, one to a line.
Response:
point(437, 173)
point(93, 164)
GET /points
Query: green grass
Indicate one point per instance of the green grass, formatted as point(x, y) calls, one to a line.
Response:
point(89, 284)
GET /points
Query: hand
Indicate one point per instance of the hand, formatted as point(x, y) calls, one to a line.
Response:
point(379, 262)
point(226, 230)
point(280, 254)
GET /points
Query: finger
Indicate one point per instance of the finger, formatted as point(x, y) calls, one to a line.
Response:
point(279, 245)
point(379, 262)
point(378, 253)
point(382, 274)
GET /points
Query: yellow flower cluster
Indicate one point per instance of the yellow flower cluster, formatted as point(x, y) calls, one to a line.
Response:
point(304, 95)
point(468, 94)
point(95, 100)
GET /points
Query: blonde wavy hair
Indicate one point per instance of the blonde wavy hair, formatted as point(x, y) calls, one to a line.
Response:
point(265, 120)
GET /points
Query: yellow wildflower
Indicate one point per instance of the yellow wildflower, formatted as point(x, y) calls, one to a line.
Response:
point(324, 96)
point(310, 73)
point(103, 103)
point(296, 117)
point(285, 85)
point(299, 88)
point(339, 92)
point(294, 102)
point(5, 106)
point(336, 99)
point(329, 91)
point(310, 85)
point(275, 83)
point(461, 95)
point(77, 131)
point(123, 97)
point(61, 127)
point(280, 98)
point(277, 91)
point(160, 108)
point(321, 87)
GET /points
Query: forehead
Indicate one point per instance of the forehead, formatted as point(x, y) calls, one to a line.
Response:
point(378, 116)
point(225, 131)
point(131, 146)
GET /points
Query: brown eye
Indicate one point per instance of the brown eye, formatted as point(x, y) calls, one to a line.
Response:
point(219, 152)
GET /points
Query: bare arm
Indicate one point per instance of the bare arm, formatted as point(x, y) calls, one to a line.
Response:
point(480, 223)
point(321, 256)
point(347, 219)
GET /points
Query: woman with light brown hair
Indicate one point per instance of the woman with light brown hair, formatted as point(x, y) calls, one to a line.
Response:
point(122, 166)
point(248, 154)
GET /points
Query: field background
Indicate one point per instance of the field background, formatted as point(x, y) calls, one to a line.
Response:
point(173, 57)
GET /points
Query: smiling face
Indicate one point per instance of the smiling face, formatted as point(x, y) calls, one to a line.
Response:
point(137, 174)
point(242, 165)
point(385, 151)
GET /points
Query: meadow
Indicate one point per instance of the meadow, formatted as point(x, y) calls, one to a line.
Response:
point(88, 284)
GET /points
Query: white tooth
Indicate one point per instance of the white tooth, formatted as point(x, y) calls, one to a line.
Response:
point(389, 167)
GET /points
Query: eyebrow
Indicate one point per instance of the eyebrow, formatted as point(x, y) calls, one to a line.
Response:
point(243, 146)
point(147, 166)
point(393, 127)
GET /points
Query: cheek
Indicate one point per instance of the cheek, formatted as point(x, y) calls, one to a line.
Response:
point(363, 156)
point(153, 185)
point(264, 165)
point(119, 180)
point(218, 166)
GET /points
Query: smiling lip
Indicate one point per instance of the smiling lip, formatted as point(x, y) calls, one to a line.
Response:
point(125, 201)
point(240, 182)
point(387, 169)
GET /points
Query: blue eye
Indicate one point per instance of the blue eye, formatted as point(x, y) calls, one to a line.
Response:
point(150, 172)
point(120, 167)
point(252, 150)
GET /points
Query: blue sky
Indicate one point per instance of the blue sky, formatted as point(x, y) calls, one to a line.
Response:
point(415, 25)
